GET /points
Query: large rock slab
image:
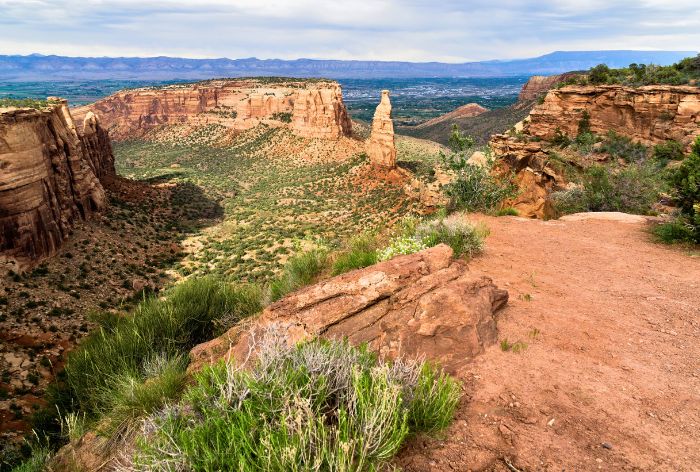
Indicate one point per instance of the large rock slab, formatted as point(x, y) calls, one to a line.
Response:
point(423, 304)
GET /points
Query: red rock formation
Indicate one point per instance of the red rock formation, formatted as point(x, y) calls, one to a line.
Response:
point(465, 111)
point(538, 85)
point(420, 304)
point(533, 176)
point(313, 109)
point(381, 147)
point(650, 115)
point(49, 178)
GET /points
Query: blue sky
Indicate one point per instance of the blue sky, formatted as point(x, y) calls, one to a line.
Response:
point(413, 30)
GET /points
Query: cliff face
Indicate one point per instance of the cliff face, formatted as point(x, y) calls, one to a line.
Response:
point(50, 178)
point(312, 109)
point(650, 115)
point(538, 85)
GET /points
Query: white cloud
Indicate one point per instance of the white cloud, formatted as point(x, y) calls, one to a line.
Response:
point(421, 30)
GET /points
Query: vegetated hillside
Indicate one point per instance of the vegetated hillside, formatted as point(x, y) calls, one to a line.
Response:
point(481, 127)
point(42, 68)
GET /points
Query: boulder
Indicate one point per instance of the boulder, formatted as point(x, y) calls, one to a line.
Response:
point(423, 304)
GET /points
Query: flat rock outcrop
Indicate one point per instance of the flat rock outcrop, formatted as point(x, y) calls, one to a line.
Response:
point(311, 108)
point(381, 147)
point(650, 115)
point(423, 304)
point(50, 177)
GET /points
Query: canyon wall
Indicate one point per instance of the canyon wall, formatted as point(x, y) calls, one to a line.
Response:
point(311, 108)
point(650, 115)
point(538, 85)
point(50, 178)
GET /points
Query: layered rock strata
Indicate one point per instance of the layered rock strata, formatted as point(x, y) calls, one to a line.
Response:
point(650, 115)
point(381, 147)
point(538, 85)
point(49, 178)
point(423, 304)
point(312, 109)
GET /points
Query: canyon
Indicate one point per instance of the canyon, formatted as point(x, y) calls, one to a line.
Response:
point(310, 108)
point(648, 115)
point(52, 175)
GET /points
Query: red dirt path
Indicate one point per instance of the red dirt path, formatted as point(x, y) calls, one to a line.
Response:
point(610, 377)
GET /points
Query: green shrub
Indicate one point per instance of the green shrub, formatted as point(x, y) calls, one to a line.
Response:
point(462, 236)
point(96, 369)
point(669, 151)
point(507, 211)
point(685, 181)
point(633, 189)
point(299, 271)
point(362, 252)
point(37, 461)
point(622, 147)
point(475, 187)
point(136, 396)
point(322, 405)
point(674, 232)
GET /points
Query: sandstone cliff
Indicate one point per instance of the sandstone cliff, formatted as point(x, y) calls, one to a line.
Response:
point(50, 178)
point(312, 109)
point(650, 115)
point(538, 85)
point(381, 147)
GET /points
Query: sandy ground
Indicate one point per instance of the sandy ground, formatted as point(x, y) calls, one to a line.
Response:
point(609, 378)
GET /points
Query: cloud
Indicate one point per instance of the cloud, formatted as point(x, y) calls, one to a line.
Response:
point(419, 30)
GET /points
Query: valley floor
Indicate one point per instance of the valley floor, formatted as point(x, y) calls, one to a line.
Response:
point(604, 372)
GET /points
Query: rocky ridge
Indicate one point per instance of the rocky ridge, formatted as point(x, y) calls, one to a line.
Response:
point(649, 115)
point(311, 109)
point(50, 178)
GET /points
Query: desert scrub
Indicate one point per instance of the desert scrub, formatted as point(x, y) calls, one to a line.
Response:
point(462, 236)
point(299, 271)
point(361, 252)
point(631, 189)
point(400, 246)
point(320, 405)
point(475, 187)
point(122, 351)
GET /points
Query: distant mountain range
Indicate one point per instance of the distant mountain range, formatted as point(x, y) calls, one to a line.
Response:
point(37, 67)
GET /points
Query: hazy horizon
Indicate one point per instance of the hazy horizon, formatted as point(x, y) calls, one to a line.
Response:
point(389, 30)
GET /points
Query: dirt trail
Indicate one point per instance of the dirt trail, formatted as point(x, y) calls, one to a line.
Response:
point(610, 377)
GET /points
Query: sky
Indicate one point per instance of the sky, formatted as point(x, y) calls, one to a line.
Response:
point(406, 30)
